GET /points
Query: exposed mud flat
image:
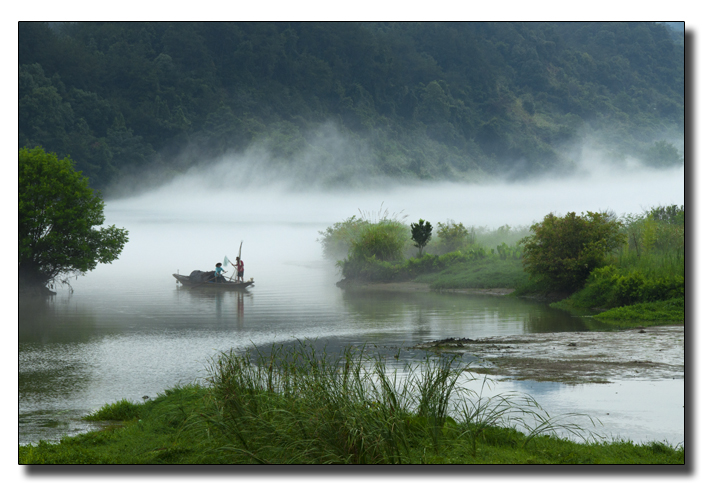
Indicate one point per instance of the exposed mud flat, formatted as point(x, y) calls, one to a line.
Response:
point(651, 353)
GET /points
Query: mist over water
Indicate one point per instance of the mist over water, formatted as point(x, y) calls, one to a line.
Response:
point(236, 189)
point(200, 216)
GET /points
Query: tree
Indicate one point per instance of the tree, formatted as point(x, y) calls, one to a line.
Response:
point(421, 234)
point(57, 213)
point(562, 251)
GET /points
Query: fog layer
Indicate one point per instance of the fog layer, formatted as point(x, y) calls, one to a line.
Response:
point(244, 189)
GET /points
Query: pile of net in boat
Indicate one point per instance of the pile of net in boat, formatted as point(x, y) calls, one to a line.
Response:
point(196, 276)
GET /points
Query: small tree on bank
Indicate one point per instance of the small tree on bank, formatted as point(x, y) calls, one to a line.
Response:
point(57, 213)
point(421, 233)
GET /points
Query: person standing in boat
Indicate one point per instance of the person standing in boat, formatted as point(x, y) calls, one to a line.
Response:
point(219, 278)
point(240, 269)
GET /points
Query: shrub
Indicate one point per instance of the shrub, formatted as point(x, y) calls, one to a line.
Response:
point(453, 236)
point(337, 239)
point(612, 287)
point(384, 240)
point(563, 251)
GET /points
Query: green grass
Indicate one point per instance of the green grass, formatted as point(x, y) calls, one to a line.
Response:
point(123, 410)
point(489, 272)
point(155, 432)
point(660, 313)
point(294, 405)
point(455, 270)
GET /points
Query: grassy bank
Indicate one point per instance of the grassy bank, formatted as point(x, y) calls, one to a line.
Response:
point(638, 277)
point(663, 312)
point(643, 281)
point(294, 405)
point(643, 291)
point(490, 272)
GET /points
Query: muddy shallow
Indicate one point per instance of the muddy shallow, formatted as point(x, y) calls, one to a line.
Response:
point(652, 353)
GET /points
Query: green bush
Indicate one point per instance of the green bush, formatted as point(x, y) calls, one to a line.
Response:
point(337, 239)
point(612, 287)
point(453, 236)
point(384, 240)
point(563, 251)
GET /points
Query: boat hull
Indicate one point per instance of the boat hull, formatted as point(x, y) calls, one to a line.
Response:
point(226, 285)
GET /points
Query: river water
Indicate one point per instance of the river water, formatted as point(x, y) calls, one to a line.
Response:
point(127, 330)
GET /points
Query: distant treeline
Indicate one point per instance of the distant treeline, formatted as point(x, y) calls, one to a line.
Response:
point(420, 100)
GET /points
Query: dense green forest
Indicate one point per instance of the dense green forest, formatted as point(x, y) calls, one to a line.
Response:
point(407, 100)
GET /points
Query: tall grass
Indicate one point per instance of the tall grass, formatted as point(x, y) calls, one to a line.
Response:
point(294, 405)
point(483, 414)
point(655, 242)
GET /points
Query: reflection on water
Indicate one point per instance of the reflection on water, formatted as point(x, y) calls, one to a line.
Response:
point(468, 316)
point(128, 330)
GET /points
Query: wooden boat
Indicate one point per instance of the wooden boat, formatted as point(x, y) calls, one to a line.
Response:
point(208, 283)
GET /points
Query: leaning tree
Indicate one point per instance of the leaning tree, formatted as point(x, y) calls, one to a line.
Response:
point(60, 218)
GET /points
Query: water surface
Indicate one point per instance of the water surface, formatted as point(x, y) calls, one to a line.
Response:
point(127, 330)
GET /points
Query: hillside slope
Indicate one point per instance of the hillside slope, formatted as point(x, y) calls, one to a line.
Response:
point(405, 100)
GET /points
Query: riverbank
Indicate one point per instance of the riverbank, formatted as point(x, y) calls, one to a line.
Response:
point(173, 429)
point(296, 406)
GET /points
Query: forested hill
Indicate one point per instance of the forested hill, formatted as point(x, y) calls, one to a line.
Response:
point(408, 100)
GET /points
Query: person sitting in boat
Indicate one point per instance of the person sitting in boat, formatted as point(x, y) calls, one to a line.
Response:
point(219, 277)
point(240, 269)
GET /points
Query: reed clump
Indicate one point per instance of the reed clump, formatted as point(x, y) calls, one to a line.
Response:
point(296, 406)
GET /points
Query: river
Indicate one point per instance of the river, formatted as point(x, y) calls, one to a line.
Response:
point(126, 330)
